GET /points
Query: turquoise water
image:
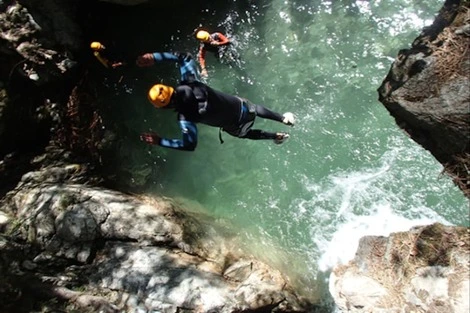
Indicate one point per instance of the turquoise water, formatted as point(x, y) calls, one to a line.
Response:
point(347, 170)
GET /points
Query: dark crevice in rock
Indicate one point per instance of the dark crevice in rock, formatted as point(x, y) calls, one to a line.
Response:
point(12, 168)
point(124, 240)
point(30, 293)
point(265, 309)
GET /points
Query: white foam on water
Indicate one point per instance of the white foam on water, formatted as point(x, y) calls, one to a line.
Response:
point(372, 200)
point(369, 203)
point(354, 184)
point(382, 222)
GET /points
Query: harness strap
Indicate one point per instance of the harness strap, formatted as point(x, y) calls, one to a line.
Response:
point(201, 95)
point(220, 135)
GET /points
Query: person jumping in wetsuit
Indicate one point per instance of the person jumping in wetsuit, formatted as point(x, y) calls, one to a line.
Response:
point(196, 102)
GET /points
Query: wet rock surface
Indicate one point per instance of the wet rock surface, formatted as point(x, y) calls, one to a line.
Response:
point(427, 90)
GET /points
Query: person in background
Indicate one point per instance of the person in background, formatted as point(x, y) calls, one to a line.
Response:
point(196, 102)
point(105, 57)
point(215, 43)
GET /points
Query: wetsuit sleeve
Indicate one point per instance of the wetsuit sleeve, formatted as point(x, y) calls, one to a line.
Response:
point(188, 68)
point(189, 140)
point(222, 39)
point(202, 57)
point(165, 56)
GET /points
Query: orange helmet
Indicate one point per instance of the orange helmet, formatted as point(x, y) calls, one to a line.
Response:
point(203, 35)
point(159, 95)
point(96, 46)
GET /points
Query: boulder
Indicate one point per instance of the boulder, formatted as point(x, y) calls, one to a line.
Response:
point(423, 270)
point(127, 253)
point(427, 90)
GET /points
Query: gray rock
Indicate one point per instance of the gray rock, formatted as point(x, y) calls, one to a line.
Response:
point(389, 276)
point(427, 91)
point(143, 254)
point(76, 224)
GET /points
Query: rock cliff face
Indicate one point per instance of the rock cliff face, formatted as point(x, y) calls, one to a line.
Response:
point(427, 268)
point(123, 253)
point(39, 45)
point(428, 90)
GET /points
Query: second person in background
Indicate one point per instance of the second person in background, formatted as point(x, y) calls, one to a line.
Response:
point(216, 43)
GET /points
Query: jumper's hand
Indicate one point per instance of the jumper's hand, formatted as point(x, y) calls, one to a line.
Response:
point(117, 64)
point(145, 60)
point(204, 73)
point(150, 138)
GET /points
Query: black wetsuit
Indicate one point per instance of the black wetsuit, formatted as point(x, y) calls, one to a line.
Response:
point(232, 114)
point(195, 102)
